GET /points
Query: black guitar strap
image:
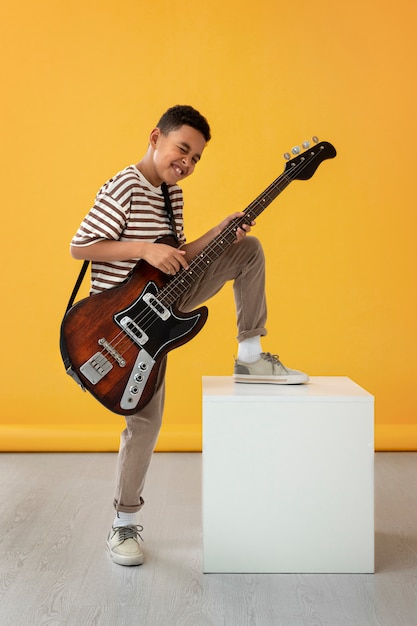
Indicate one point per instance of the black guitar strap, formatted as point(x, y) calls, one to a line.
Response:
point(169, 210)
point(77, 285)
point(63, 347)
point(62, 344)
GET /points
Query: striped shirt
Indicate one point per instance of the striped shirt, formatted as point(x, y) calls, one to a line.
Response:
point(127, 208)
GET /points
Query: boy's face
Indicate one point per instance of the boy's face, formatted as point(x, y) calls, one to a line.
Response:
point(176, 154)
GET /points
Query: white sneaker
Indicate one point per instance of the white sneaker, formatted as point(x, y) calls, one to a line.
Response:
point(123, 545)
point(267, 369)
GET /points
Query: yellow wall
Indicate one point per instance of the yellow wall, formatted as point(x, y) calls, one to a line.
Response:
point(84, 81)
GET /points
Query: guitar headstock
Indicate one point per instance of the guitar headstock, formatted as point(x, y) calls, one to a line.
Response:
point(304, 164)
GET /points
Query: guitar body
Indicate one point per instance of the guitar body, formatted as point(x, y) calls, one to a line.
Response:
point(116, 340)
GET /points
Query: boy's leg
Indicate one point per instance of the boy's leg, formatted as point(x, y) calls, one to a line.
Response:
point(137, 443)
point(244, 263)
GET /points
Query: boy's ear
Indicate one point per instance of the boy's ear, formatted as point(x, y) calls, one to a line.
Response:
point(154, 136)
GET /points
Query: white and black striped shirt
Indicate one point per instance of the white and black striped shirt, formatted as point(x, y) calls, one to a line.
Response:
point(127, 208)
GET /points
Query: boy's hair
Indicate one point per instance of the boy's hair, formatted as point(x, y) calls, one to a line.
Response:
point(182, 114)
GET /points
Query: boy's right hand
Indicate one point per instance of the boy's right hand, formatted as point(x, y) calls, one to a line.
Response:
point(165, 258)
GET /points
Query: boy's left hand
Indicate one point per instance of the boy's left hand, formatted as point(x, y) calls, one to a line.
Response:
point(240, 232)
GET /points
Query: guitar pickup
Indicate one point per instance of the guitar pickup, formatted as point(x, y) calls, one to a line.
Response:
point(157, 306)
point(133, 330)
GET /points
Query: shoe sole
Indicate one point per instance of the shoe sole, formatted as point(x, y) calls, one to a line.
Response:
point(270, 380)
point(128, 561)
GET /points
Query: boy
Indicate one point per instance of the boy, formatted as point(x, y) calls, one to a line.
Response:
point(128, 217)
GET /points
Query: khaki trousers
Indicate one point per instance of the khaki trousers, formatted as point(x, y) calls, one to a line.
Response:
point(243, 263)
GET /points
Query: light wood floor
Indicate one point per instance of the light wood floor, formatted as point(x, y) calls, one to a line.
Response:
point(55, 512)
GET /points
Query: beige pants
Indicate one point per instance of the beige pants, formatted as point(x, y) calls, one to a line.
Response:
point(243, 263)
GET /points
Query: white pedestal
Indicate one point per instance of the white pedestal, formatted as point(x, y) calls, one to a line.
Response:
point(288, 477)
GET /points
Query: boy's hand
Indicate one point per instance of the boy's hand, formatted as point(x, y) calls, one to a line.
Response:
point(165, 258)
point(240, 232)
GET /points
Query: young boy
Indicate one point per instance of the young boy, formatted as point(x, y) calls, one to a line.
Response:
point(128, 217)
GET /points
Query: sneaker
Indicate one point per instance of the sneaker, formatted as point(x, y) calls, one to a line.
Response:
point(267, 369)
point(123, 545)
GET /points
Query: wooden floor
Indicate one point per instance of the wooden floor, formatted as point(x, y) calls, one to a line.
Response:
point(55, 512)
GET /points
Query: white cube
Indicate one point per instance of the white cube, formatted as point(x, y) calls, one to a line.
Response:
point(288, 477)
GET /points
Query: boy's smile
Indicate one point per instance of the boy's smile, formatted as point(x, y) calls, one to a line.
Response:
point(172, 157)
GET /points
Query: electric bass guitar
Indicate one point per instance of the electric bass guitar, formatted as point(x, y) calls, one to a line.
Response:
point(113, 342)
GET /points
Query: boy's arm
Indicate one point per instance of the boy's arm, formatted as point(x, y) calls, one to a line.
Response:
point(165, 258)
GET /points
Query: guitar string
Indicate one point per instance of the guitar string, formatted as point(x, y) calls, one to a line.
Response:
point(170, 292)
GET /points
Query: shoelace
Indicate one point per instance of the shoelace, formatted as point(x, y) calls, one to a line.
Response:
point(128, 532)
point(272, 358)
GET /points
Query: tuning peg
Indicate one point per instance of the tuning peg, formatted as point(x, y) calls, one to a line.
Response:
point(315, 139)
point(306, 144)
point(287, 156)
point(296, 150)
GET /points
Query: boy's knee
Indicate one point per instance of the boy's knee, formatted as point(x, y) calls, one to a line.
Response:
point(253, 246)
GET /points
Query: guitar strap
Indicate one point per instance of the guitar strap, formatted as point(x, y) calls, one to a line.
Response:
point(62, 344)
point(77, 285)
point(169, 210)
point(63, 347)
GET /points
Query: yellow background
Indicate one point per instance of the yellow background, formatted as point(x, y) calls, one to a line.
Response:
point(83, 83)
